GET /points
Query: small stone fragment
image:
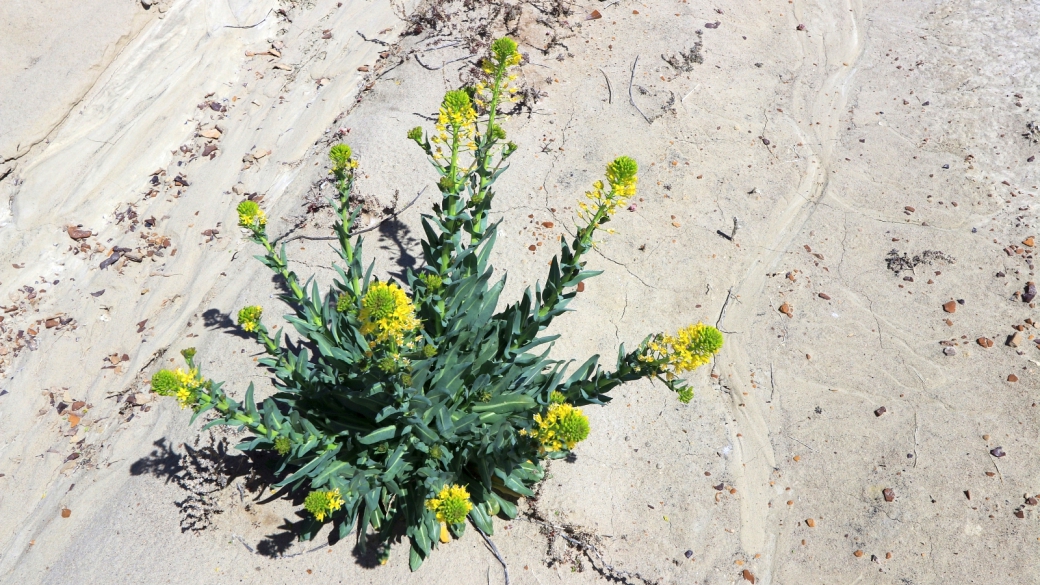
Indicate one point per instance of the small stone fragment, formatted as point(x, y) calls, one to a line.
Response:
point(77, 233)
point(910, 209)
point(65, 512)
point(997, 452)
point(363, 69)
point(810, 523)
point(1014, 340)
point(950, 351)
point(1030, 293)
point(824, 296)
point(985, 342)
point(889, 494)
point(967, 494)
point(880, 411)
point(1030, 241)
point(688, 554)
point(950, 307)
point(858, 554)
point(1012, 378)
point(211, 133)
point(787, 310)
point(748, 576)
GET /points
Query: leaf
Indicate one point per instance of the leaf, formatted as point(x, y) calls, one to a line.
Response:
point(379, 435)
point(506, 403)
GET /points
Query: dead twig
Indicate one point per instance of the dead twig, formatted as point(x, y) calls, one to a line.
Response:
point(494, 550)
point(610, 93)
point(368, 40)
point(632, 100)
point(443, 65)
point(251, 25)
point(722, 314)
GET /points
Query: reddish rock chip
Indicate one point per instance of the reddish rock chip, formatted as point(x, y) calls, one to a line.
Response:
point(77, 233)
point(950, 306)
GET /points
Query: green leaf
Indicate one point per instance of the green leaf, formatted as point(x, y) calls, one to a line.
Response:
point(379, 435)
point(506, 403)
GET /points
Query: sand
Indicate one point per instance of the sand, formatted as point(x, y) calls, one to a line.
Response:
point(841, 136)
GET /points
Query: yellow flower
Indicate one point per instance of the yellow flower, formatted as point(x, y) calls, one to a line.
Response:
point(451, 505)
point(387, 313)
point(562, 425)
point(340, 155)
point(250, 215)
point(323, 503)
point(621, 175)
point(249, 318)
point(691, 348)
point(182, 385)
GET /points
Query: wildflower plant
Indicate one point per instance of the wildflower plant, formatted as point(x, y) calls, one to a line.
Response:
point(417, 405)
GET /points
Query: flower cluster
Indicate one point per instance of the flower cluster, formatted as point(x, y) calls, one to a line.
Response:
point(387, 313)
point(451, 505)
point(340, 155)
point(251, 216)
point(249, 318)
point(621, 175)
point(562, 425)
point(323, 503)
point(282, 445)
point(180, 384)
point(504, 55)
point(673, 355)
point(456, 121)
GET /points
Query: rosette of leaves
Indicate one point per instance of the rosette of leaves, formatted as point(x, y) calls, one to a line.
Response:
point(454, 396)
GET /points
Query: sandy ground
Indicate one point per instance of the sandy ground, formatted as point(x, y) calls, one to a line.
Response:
point(872, 153)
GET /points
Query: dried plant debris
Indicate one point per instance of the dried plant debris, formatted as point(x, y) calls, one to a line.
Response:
point(1032, 133)
point(898, 263)
point(684, 62)
point(573, 545)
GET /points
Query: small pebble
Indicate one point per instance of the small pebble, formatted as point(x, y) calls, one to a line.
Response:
point(950, 307)
point(889, 494)
point(858, 554)
point(985, 342)
point(1012, 378)
point(882, 410)
point(997, 452)
point(689, 554)
point(810, 523)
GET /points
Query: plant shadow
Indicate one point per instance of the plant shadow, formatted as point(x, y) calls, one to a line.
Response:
point(202, 472)
point(397, 238)
point(214, 319)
